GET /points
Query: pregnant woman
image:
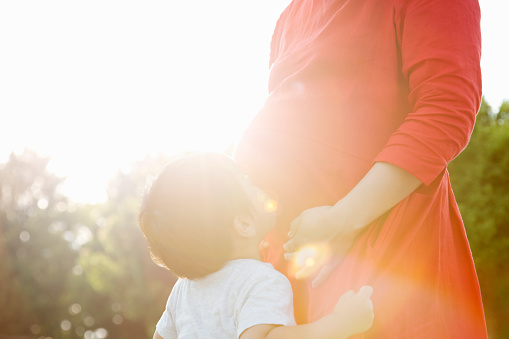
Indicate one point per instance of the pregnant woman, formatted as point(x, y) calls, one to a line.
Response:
point(369, 100)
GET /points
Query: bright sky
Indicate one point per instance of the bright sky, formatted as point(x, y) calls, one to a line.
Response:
point(97, 84)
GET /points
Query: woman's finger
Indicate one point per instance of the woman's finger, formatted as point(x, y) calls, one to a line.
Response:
point(305, 272)
point(292, 245)
point(294, 226)
point(326, 271)
point(290, 256)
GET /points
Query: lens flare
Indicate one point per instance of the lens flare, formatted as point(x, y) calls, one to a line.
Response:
point(305, 257)
point(308, 259)
point(270, 205)
point(310, 262)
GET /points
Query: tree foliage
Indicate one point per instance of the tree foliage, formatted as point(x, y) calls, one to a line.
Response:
point(38, 228)
point(480, 181)
point(117, 262)
point(75, 271)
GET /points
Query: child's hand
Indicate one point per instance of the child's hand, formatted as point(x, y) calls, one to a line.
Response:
point(355, 310)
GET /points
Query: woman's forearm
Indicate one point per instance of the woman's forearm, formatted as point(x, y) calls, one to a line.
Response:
point(382, 188)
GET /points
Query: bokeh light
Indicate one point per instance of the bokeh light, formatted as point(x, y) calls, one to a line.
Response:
point(308, 259)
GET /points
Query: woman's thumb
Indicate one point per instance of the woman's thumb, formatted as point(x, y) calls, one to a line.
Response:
point(291, 245)
point(294, 226)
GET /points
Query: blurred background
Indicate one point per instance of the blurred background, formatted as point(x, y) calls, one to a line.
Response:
point(97, 96)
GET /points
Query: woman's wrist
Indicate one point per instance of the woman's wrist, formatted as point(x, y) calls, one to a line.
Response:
point(351, 222)
point(382, 188)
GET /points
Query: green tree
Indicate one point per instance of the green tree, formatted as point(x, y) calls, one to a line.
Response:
point(37, 229)
point(44, 289)
point(117, 262)
point(481, 184)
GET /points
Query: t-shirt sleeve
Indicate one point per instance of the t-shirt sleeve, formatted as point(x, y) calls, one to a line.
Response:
point(166, 326)
point(267, 300)
point(440, 45)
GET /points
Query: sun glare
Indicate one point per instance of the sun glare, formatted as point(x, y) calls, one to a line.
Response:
point(307, 259)
point(270, 205)
point(143, 78)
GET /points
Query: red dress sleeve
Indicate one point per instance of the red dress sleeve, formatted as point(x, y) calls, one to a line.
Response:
point(440, 45)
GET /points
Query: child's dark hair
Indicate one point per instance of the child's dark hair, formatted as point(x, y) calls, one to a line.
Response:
point(187, 214)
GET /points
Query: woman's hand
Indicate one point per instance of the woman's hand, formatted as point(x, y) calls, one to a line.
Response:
point(314, 225)
point(320, 243)
point(335, 227)
point(320, 259)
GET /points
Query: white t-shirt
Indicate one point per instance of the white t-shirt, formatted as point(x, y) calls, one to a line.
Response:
point(244, 293)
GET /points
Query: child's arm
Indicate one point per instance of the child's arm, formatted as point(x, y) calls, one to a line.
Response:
point(353, 314)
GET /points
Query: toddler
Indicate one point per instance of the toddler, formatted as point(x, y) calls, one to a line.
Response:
point(204, 221)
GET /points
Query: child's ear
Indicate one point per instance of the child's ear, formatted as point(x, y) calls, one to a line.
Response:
point(244, 226)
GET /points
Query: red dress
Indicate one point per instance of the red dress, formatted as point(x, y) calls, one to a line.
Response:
point(353, 82)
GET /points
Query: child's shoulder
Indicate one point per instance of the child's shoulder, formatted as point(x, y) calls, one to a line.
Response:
point(237, 274)
point(254, 266)
point(254, 270)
